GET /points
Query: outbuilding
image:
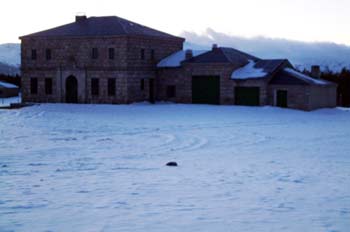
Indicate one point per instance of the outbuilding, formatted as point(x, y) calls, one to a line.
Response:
point(228, 76)
point(8, 90)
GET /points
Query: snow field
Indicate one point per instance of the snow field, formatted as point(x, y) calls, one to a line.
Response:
point(102, 168)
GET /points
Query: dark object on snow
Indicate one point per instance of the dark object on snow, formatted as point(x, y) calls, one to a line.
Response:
point(172, 164)
point(4, 166)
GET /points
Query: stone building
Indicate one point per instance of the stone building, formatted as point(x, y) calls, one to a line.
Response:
point(230, 77)
point(113, 60)
point(94, 60)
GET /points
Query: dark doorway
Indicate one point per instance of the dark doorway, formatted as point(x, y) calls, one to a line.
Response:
point(71, 90)
point(151, 90)
point(247, 96)
point(206, 90)
point(281, 98)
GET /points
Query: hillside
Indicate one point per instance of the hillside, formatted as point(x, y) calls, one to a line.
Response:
point(10, 58)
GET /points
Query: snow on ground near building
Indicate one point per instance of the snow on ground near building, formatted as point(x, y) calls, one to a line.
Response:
point(102, 168)
point(248, 71)
point(7, 101)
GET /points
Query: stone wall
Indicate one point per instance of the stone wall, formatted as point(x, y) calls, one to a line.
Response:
point(182, 79)
point(73, 56)
point(298, 96)
point(323, 96)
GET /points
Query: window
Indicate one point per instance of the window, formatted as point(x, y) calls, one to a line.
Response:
point(33, 54)
point(33, 85)
point(48, 54)
point(111, 87)
point(142, 54)
point(142, 84)
point(48, 86)
point(171, 91)
point(94, 86)
point(94, 53)
point(152, 54)
point(111, 53)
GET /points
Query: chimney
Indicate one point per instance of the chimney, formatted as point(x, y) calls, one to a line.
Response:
point(80, 18)
point(189, 54)
point(215, 46)
point(315, 71)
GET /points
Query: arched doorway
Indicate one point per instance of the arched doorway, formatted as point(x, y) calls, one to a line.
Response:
point(71, 90)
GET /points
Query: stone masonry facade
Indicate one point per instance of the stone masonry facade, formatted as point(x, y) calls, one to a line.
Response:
point(121, 68)
point(132, 67)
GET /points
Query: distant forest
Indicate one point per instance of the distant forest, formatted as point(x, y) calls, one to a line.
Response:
point(342, 79)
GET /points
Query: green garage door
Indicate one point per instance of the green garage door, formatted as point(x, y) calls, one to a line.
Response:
point(247, 96)
point(206, 90)
point(282, 98)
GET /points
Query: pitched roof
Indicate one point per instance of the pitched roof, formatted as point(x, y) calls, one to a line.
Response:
point(223, 55)
point(8, 85)
point(289, 76)
point(175, 59)
point(258, 69)
point(101, 26)
point(270, 66)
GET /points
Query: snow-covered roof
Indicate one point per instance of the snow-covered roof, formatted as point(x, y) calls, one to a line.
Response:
point(305, 77)
point(175, 59)
point(249, 71)
point(8, 85)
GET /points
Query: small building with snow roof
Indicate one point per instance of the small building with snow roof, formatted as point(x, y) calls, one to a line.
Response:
point(8, 90)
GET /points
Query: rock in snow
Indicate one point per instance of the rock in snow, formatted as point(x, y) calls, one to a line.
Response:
point(172, 164)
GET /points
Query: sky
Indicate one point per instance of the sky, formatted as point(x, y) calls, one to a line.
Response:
point(302, 20)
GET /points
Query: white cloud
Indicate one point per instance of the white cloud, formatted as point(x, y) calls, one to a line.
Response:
point(301, 54)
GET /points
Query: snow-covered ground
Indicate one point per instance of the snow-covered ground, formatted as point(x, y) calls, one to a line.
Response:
point(7, 101)
point(101, 168)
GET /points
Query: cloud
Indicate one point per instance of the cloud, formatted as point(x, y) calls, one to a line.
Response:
point(301, 54)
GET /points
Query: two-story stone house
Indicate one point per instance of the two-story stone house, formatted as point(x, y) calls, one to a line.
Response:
point(94, 60)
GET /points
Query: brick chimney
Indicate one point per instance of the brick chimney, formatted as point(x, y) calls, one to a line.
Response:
point(215, 46)
point(316, 71)
point(80, 18)
point(189, 54)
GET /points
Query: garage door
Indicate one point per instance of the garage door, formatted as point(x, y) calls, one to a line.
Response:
point(206, 90)
point(247, 96)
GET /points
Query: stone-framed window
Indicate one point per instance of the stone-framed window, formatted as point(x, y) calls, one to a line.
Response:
point(111, 53)
point(171, 91)
point(48, 54)
point(142, 84)
point(152, 54)
point(48, 86)
point(33, 85)
point(142, 54)
point(111, 86)
point(33, 54)
point(95, 84)
point(94, 53)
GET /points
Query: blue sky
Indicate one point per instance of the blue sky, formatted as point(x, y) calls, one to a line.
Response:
point(304, 20)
